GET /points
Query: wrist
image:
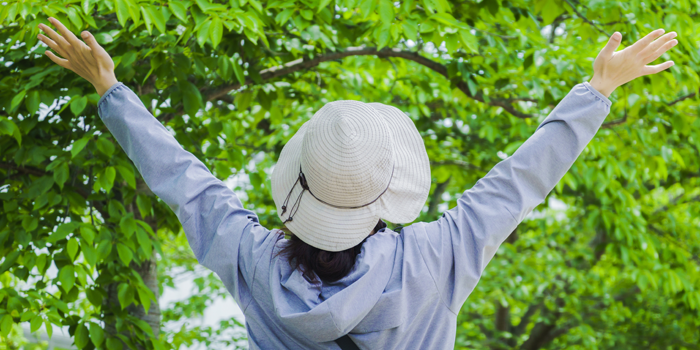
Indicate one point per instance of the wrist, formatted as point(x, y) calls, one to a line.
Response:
point(104, 84)
point(604, 87)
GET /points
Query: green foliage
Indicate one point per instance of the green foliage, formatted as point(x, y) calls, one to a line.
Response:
point(610, 261)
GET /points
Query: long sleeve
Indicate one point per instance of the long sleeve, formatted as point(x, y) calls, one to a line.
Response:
point(457, 247)
point(212, 216)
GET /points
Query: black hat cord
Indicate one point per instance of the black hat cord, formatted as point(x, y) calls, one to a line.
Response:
point(305, 187)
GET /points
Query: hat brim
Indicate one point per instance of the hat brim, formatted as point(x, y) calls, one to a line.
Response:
point(334, 229)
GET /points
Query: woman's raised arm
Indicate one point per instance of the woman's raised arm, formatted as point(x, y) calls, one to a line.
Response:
point(212, 216)
point(458, 246)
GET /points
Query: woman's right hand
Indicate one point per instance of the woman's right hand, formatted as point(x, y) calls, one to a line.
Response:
point(612, 69)
point(89, 61)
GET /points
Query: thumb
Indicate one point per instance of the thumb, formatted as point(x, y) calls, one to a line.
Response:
point(97, 50)
point(611, 46)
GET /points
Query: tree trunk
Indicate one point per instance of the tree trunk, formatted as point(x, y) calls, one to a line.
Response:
point(437, 197)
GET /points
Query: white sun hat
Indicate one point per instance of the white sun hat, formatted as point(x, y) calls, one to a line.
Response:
point(350, 165)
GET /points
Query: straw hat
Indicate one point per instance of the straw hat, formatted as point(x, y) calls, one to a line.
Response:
point(350, 165)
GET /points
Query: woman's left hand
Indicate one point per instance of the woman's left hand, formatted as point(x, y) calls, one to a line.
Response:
point(89, 61)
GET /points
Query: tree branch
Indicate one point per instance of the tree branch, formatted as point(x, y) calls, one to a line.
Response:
point(302, 64)
point(682, 98)
point(460, 163)
point(436, 198)
point(586, 19)
point(520, 328)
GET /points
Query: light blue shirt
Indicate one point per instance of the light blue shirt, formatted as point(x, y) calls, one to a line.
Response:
point(405, 289)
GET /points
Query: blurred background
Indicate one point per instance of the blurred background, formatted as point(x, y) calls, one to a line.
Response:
point(90, 258)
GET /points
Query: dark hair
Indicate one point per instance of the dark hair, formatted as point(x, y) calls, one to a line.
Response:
point(328, 266)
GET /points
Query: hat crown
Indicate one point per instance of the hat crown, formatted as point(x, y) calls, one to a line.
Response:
point(347, 154)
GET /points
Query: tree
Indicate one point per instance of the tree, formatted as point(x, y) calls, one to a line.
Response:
point(609, 261)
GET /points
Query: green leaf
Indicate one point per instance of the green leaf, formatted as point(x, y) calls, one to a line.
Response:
point(86, 6)
point(203, 33)
point(35, 323)
point(8, 127)
point(144, 241)
point(97, 335)
point(105, 146)
point(77, 104)
point(30, 223)
point(122, 12)
point(307, 14)
point(125, 253)
point(104, 248)
point(451, 42)
point(528, 61)
point(72, 248)
point(82, 336)
point(10, 259)
point(49, 327)
point(78, 146)
point(238, 70)
point(6, 325)
point(106, 178)
point(89, 253)
point(367, 7)
point(191, 98)
point(216, 31)
point(67, 277)
point(17, 100)
point(62, 231)
point(469, 40)
point(114, 344)
point(179, 10)
point(61, 174)
point(410, 29)
point(32, 101)
point(143, 202)
point(158, 19)
point(41, 263)
point(386, 11)
point(147, 19)
point(322, 4)
point(224, 68)
point(128, 225)
point(128, 175)
point(125, 294)
point(87, 232)
point(145, 299)
point(74, 16)
point(145, 327)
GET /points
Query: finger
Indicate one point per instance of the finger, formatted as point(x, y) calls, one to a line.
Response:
point(612, 45)
point(51, 44)
point(662, 50)
point(653, 47)
point(642, 43)
point(67, 34)
point(59, 61)
point(97, 50)
point(58, 39)
point(657, 68)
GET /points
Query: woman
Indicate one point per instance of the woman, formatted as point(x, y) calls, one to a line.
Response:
point(342, 275)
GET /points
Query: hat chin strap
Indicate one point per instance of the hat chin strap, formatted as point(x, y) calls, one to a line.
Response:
point(305, 187)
